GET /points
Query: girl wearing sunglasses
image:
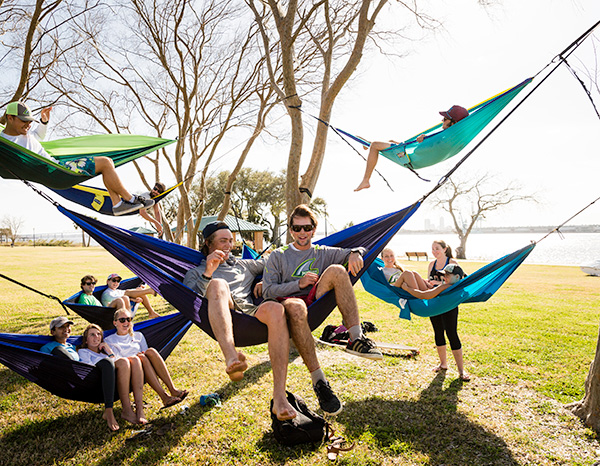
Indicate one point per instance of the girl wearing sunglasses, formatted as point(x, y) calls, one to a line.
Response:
point(129, 344)
point(95, 351)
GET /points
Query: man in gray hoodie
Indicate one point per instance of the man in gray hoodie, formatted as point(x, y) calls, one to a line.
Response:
point(298, 274)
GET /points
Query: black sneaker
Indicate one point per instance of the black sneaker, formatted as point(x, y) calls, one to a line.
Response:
point(364, 347)
point(329, 403)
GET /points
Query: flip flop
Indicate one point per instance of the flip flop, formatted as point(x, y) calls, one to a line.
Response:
point(184, 393)
point(165, 428)
point(439, 369)
point(336, 447)
point(173, 402)
point(465, 377)
point(140, 434)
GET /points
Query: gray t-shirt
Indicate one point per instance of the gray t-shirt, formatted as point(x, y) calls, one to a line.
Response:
point(287, 265)
point(238, 273)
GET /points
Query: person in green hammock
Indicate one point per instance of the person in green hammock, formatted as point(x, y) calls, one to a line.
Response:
point(451, 116)
point(18, 130)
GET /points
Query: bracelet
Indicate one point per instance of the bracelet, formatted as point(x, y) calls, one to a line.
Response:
point(112, 355)
point(44, 122)
point(206, 278)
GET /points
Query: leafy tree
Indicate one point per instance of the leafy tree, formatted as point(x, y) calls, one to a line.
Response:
point(468, 201)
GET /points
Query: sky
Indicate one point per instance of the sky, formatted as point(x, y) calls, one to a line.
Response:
point(549, 145)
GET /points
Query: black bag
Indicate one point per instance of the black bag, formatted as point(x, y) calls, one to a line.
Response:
point(306, 427)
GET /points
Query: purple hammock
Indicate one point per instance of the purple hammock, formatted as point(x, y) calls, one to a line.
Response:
point(163, 265)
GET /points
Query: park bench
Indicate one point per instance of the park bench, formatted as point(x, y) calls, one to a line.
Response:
point(417, 255)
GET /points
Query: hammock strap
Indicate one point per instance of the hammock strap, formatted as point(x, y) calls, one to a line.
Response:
point(49, 296)
point(557, 60)
point(587, 91)
point(557, 229)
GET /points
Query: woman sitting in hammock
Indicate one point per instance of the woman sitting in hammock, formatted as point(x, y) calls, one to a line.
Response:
point(95, 351)
point(413, 283)
point(452, 116)
point(127, 344)
point(392, 269)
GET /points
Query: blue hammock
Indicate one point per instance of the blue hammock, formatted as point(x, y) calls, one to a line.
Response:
point(475, 288)
point(162, 265)
point(98, 199)
point(74, 380)
point(100, 315)
point(441, 145)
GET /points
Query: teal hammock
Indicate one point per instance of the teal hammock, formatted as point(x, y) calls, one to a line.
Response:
point(17, 162)
point(441, 145)
point(475, 288)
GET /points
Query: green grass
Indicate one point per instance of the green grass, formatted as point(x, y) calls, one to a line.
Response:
point(528, 348)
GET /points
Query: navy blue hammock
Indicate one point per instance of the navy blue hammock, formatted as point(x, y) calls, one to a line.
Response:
point(100, 315)
point(163, 265)
point(475, 288)
point(74, 380)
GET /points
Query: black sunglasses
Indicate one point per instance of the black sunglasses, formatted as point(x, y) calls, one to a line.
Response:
point(115, 280)
point(299, 228)
point(89, 283)
point(124, 319)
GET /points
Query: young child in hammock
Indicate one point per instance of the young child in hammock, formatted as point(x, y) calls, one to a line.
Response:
point(414, 284)
point(452, 116)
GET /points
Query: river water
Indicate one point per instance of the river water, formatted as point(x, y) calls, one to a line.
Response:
point(571, 249)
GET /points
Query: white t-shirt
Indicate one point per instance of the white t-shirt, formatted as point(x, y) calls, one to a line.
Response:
point(31, 140)
point(90, 357)
point(125, 346)
point(108, 296)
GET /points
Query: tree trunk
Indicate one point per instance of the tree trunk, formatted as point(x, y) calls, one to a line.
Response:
point(588, 409)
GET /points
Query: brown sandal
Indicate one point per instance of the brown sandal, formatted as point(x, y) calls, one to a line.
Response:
point(337, 445)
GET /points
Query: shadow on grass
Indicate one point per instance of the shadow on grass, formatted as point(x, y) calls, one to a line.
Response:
point(65, 436)
point(431, 426)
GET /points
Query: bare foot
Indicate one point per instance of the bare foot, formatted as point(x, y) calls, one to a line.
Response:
point(170, 401)
point(363, 185)
point(129, 416)
point(181, 394)
point(141, 420)
point(153, 314)
point(235, 369)
point(439, 368)
point(464, 377)
point(109, 417)
point(283, 410)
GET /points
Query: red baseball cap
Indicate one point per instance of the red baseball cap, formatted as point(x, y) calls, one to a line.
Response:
point(456, 113)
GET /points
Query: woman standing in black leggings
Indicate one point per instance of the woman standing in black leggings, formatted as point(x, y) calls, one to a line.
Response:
point(446, 322)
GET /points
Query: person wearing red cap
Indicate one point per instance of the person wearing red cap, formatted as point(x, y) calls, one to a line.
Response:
point(18, 126)
point(451, 117)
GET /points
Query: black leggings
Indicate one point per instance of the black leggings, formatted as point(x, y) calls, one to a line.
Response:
point(447, 322)
point(107, 371)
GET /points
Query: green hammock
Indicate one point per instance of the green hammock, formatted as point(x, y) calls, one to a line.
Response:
point(441, 145)
point(17, 162)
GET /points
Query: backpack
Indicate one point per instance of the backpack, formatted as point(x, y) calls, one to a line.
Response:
point(306, 427)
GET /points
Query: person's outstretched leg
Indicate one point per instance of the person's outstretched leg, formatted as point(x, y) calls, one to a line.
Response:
point(123, 368)
point(112, 182)
point(163, 373)
point(219, 316)
point(143, 294)
point(413, 280)
point(371, 163)
point(297, 314)
point(152, 379)
point(336, 278)
point(137, 387)
point(107, 371)
point(272, 315)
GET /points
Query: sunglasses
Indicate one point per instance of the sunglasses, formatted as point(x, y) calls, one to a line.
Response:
point(299, 228)
point(115, 280)
point(157, 189)
point(124, 319)
point(89, 283)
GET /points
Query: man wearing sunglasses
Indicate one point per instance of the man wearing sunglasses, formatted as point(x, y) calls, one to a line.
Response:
point(88, 283)
point(229, 283)
point(153, 214)
point(300, 273)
